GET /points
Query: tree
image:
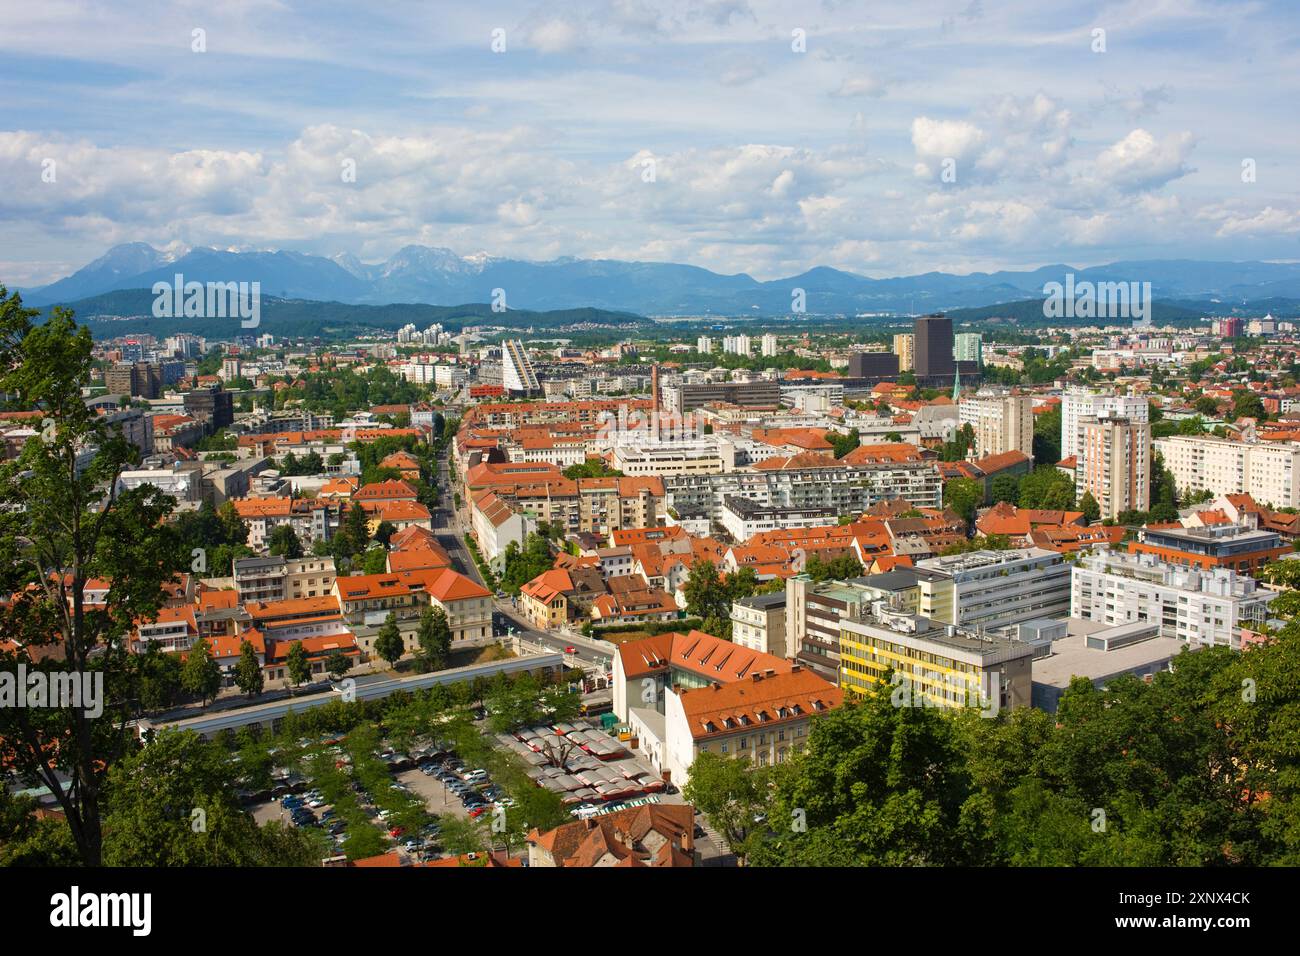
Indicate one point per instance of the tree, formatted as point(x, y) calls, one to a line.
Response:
point(1047, 487)
point(962, 442)
point(841, 445)
point(157, 677)
point(840, 568)
point(706, 594)
point(388, 643)
point(337, 664)
point(1088, 505)
point(460, 836)
point(434, 637)
point(1005, 487)
point(356, 529)
point(963, 496)
point(284, 542)
point(729, 793)
point(1047, 436)
point(384, 532)
point(297, 665)
point(63, 522)
point(173, 803)
point(374, 561)
point(1246, 404)
point(248, 675)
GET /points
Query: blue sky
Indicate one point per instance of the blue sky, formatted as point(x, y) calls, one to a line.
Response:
point(765, 160)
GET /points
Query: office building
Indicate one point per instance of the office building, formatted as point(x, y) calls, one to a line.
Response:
point(994, 589)
point(873, 365)
point(1190, 604)
point(686, 397)
point(932, 349)
point(214, 406)
point(934, 664)
point(1241, 548)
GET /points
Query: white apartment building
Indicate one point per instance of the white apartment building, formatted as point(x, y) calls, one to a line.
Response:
point(1192, 605)
point(1002, 421)
point(967, 346)
point(1078, 404)
point(994, 589)
point(704, 345)
point(421, 373)
point(758, 623)
point(767, 346)
point(702, 456)
point(1114, 465)
point(744, 518)
point(1267, 471)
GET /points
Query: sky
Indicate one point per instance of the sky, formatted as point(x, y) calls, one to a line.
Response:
point(882, 138)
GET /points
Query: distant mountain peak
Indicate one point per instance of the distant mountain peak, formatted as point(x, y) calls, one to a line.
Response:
point(436, 275)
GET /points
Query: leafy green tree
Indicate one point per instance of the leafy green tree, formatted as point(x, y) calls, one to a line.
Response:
point(356, 529)
point(201, 674)
point(1047, 487)
point(248, 670)
point(173, 804)
point(374, 561)
point(384, 532)
point(1247, 404)
point(730, 794)
point(158, 678)
point(841, 445)
point(706, 593)
point(388, 642)
point(840, 568)
point(963, 496)
point(63, 522)
point(878, 784)
point(1047, 436)
point(284, 542)
point(297, 665)
point(1088, 505)
point(337, 664)
point(434, 637)
point(1005, 487)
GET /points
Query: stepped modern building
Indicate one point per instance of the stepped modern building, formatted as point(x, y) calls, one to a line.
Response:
point(517, 375)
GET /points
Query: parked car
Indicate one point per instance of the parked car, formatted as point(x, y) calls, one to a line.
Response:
point(477, 811)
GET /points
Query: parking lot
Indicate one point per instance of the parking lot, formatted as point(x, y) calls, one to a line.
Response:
point(405, 794)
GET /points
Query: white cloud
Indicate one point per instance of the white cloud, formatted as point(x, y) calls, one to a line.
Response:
point(1140, 162)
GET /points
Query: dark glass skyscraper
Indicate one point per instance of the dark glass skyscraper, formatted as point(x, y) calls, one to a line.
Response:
point(932, 347)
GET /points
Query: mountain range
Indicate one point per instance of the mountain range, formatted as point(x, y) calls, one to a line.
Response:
point(438, 276)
